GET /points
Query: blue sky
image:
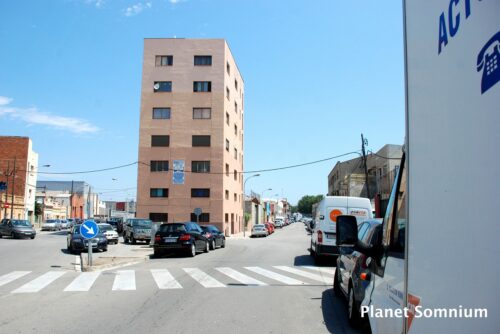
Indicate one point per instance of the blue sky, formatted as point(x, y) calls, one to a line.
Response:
point(317, 75)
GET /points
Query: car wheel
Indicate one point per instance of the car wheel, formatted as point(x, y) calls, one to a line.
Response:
point(157, 253)
point(207, 247)
point(223, 244)
point(105, 249)
point(33, 237)
point(336, 284)
point(132, 239)
point(13, 235)
point(192, 253)
point(353, 309)
point(212, 245)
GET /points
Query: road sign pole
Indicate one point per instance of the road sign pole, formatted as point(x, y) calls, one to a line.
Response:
point(90, 252)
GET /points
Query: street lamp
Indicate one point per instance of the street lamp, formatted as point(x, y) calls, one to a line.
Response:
point(244, 197)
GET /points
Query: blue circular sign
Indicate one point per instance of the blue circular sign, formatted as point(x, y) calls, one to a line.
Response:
point(89, 229)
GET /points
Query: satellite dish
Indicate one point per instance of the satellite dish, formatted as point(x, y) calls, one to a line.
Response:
point(156, 86)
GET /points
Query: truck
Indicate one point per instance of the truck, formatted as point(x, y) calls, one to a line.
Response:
point(435, 269)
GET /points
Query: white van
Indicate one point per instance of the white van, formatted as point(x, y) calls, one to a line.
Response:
point(323, 230)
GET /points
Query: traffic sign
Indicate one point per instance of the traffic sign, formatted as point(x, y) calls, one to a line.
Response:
point(197, 211)
point(89, 229)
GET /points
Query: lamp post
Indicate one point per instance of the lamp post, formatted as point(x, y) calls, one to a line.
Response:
point(244, 196)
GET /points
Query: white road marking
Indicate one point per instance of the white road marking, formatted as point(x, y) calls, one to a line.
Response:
point(326, 270)
point(40, 282)
point(124, 280)
point(78, 264)
point(5, 279)
point(164, 279)
point(83, 282)
point(303, 273)
point(242, 278)
point(276, 276)
point(203, 278)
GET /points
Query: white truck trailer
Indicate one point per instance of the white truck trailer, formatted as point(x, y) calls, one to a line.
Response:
point(437, 267)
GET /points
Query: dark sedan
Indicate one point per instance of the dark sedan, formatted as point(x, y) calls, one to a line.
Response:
point(16, 228)
point(352, 274)
point(215, 237)
point(76, 243)
point(187, 238)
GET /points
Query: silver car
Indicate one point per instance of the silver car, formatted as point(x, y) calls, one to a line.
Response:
point(259, 230)
point(51, 225)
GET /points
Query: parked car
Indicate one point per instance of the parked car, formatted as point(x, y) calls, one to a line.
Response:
point(114, 223)
point(51, 225)
point(187, 238)
point(352, 274)
point(270, 227)
point(76, 243)
point(64, 224)
point(215, 237)
point(278, 223)
point(16, 228)
point(259, 230)
point(137, 229)
point(108, 231)
point(71, 222)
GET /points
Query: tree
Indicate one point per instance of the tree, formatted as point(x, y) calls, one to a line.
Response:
point(38, 209)
point(306, 202)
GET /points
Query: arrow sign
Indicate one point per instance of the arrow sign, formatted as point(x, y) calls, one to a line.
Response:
point(89, 229)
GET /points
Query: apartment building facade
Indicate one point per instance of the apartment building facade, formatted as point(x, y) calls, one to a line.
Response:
point(191, 134)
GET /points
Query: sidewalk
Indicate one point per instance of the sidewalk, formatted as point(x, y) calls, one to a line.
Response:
point(118, 255)
point(239, 236)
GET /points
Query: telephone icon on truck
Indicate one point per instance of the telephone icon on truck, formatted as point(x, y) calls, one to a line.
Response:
point(488, 61)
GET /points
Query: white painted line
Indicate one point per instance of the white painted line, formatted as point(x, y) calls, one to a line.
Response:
point(164, 279)
point(203, 279)
point(124, 280)
point(275, 276)
point(306, 274)
point(323, 270)
point(83, 282)
point(78, 263)
point(242, 278)
point(5, 279)
point(40, 282)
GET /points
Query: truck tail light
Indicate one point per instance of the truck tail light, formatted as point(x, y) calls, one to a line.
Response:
point(320, 237)
point(185, 237)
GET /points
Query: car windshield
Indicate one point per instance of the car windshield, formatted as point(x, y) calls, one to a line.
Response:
point(141, 223)
point(105, 227)
point(258, 226)
point(169, 228)
point(21, 223)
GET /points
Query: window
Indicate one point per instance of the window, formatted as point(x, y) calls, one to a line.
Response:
point(162, 86)
point(203, 218)
point(201, 141)
point(235, 107)
point(228, 68)
point(202, 113)
point(235, 153)
point(236, 84)
point(362, 230)
point(235, 197)
point(164, 60)
point(227, 93)
point(202, 86)
point(161, 113)
point(227, 170)
point(235, 175)
point(200, 192)
point(158, 192)
point(200, 166)
point(227, 194)
point(227, 118)
point(235, 130)
point(227, 145)
point(203, 60)
point(158, 217)
point(159, 165)
point(160, 141)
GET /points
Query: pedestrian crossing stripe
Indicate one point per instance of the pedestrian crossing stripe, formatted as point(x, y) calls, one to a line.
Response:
point(125, 280)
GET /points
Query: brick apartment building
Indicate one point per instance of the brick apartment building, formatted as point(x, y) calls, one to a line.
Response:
point(18, 167)
point(191, 133)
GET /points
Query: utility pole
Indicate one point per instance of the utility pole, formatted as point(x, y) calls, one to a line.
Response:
point(13, 186)
point(6, 190)
point(364, 142)
point(71, 201)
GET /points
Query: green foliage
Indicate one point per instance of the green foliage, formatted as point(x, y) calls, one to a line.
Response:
point(305, 203)
point(38, 209)
point(247, 217)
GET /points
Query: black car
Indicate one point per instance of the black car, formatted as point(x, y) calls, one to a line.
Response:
point(76, 243)
point(215, 237)
point(187, 238)
point(17, 228)
point(352, 273)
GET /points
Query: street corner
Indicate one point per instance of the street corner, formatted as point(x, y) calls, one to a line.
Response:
point(117, 256)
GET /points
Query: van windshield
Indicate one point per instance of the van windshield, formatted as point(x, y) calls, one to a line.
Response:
point(141, 223)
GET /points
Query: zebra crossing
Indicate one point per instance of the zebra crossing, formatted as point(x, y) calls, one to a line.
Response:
point(165, 279)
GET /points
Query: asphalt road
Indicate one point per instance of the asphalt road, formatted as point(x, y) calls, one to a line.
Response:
point(262, 285)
